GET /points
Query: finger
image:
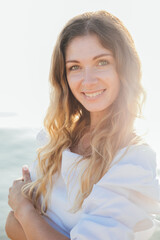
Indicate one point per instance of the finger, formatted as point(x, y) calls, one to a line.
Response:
point(10, 189)
point(19, 179)
point(26, 173)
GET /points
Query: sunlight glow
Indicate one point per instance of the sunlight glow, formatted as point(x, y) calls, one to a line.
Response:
point(29, 30)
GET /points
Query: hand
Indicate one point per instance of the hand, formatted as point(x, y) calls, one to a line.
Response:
point(16, 200)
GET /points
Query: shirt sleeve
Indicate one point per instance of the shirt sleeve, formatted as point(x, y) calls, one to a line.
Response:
point(123, 201)
point(41, 139)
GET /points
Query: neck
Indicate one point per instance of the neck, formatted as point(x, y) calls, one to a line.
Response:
point(95, 117)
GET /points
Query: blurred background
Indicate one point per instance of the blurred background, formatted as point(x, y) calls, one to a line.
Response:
point(28, 33)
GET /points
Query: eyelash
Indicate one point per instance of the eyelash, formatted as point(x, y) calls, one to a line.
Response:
point(74, 66)
point(103, 61)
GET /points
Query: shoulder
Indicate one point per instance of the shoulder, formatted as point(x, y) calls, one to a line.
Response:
point(42, 138)
point(138, 155)
point(133, 169)
point(129, 187)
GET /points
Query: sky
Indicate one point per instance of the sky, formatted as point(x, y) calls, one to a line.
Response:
point(29, 29)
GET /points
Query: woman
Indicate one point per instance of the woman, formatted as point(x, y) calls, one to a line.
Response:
point(96, 177)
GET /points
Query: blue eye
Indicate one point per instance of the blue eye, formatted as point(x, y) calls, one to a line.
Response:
point(102, 63)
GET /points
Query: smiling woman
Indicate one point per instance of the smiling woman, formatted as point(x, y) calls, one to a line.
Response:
point(95, 178)
point(92, 77)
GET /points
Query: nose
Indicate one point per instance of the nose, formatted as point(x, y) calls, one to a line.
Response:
point(89, 77)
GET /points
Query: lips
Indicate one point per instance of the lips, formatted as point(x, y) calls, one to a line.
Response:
point(93, 94)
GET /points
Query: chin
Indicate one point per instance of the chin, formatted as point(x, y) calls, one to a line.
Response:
point(96, 110)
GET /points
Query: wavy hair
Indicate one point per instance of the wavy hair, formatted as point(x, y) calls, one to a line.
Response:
point(66, 119)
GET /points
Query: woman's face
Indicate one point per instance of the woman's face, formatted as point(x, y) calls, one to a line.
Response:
point(91, 73)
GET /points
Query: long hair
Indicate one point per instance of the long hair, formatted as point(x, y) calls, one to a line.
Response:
point(66, 118)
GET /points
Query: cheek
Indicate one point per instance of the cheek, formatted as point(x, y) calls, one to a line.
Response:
point(111, 78)
point(73, 83)
point(114, 83)
point(72, 87)
point(116, 87)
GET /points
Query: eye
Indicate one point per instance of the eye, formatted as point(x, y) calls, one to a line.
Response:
point(74, 68)
point(102, 63)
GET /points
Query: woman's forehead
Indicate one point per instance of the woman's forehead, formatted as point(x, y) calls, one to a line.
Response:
point(85, 45)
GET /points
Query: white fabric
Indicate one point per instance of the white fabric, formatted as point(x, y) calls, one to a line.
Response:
point(120, 206)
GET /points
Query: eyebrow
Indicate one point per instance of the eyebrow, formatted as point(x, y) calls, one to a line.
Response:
point(96, 57)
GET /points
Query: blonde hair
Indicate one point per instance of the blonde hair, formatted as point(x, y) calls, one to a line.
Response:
point(66, 118)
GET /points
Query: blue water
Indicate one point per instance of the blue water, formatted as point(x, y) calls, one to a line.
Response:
point(17, 147)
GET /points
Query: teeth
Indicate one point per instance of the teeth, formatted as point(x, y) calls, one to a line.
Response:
point(93, 94)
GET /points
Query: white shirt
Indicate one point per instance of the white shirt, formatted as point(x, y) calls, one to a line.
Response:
point(120, 206)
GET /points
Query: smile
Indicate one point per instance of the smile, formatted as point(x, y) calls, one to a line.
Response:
point(95, 94)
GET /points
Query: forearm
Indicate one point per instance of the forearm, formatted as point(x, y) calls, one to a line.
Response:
point(13, 228)
point(35, 227)
point(31, 222)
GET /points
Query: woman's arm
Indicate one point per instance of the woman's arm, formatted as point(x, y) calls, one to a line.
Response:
point(13, 228)
point(33, 224)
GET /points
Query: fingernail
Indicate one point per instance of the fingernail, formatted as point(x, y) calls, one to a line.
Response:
point(25, 167)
